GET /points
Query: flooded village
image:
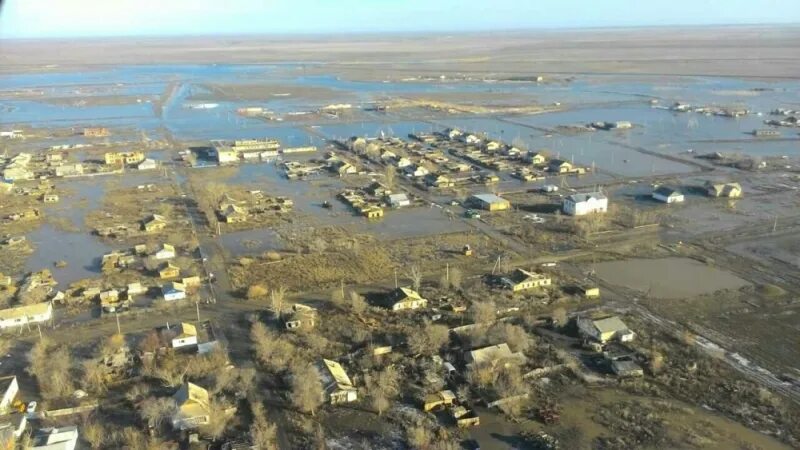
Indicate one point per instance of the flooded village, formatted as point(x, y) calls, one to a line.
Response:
point(294, 255)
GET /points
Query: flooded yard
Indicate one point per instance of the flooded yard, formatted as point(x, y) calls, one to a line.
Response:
point(668, 277)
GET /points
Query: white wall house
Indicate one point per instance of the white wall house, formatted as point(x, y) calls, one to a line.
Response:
point(583, 204)
point(9, 389)
point(21, 315)
point(667, 195)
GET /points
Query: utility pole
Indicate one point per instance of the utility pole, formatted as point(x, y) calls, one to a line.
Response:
point(116, 315)
point(197, 307)
point(341, 284)
point(38, 327)
point(447, 272)
point(775, 225)
point(395, 280)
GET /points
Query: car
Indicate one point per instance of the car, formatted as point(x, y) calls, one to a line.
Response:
point(472, 214)
point(31, 407)
point(534, 218)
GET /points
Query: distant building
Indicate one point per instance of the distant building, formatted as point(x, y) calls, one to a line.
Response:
point(69, 170)
point(398, 200)
point(96, 132)
point(192, 407)
point(123, 158)
point(21, 315)
point(667, 195)
point(493, 356)
point(9, 387)
point(64, 438)
point(730, 190)
point(169, 270)
point(173, 291)
point(521, 280)
point(588, 203)
point(154, 223)
point(336, 384)
point(166, 251)
point(147, 164)
point(405, 298)
point(489, 202)
point(559, 166)
point(605, 330)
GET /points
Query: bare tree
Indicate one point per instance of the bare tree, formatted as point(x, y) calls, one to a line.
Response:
point(257, 292)
point(218, 419)
point(337, 297)
point(419, 437)
point(94, 376)
point(383, 387)
point(306, 388)
point(429, 340)
point(277, 296)
point(94, 433)
point(483, 311)
point(155, 410)
point(357, 302)
point(415, 275)
point(559, 317)
point(271, 350)
point(456, 278)
point(150, 343)
point(263, 433)
point(391, 175)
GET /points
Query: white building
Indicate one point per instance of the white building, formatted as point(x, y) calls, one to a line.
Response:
point(587, 203)
point(21, 315)
point(667, 195)
point(399, 200)
point(337, 385)
point(173, 291)
point(185, 335)
point(605, 330)
point(147, 164)
point(166, 251)
point(64, 438)
point(9, 389)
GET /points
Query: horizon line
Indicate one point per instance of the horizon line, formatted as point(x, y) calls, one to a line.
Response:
point(422, 32)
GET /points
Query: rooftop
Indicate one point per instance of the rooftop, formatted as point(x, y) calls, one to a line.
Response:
point(586, 196)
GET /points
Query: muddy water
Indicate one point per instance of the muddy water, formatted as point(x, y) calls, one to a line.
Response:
point(668, 277)
point(80, 250)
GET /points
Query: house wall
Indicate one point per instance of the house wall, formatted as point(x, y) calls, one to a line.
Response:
point(9, 396)
point(177, 343)
point(14, 322)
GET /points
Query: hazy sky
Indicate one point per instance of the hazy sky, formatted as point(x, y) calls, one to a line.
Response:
point(67, 18)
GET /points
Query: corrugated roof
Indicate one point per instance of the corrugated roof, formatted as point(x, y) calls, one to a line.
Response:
point(24, 311)
point(582, 197)
point(610, 324)
point(336, 371)
point(489, 198)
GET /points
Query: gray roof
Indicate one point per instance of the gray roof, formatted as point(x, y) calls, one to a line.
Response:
point(579, 198)
point(489, 198)
point(666, 191)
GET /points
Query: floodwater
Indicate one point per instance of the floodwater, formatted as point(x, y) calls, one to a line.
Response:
point(80, 250)
point(668, 278)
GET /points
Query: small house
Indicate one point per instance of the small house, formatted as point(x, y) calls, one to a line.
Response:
point(589, 291)
point(147, 164)
point(493, 355)
point(438, 400)
point(191, 282)
point(521, 280)
point(405, 298)
point(730, 190)
point(50, 198)
point(155, 223)
point(231, 213)
point(560, 166)
point(667, 195)
point(336, 384)
point(372, 212)
point(192, 407)
point(21, 315)
point(185, 335)
point(168, 270)
point(627, 368)
point(605, 330)
point(586, 203)
point(489, 202)
point(536, 158)
point(398, 200)
point(166, 251)
point(302, 317)
point(173, 291)
point(135, 289)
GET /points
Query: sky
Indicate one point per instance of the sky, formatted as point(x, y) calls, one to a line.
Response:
point(98, 18)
